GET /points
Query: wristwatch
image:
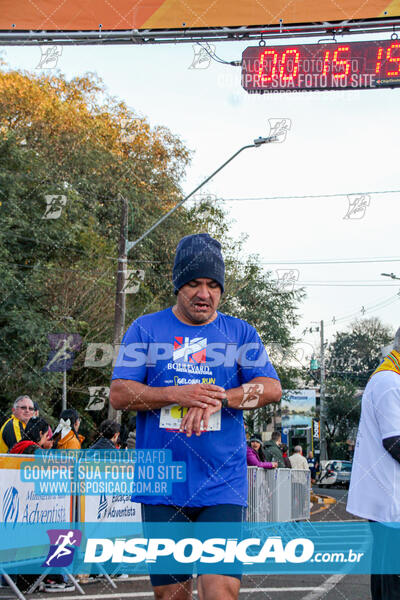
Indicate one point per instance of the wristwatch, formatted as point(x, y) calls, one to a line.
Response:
point(224, 402)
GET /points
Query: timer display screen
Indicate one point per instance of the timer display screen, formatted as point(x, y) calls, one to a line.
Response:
point(328, 66)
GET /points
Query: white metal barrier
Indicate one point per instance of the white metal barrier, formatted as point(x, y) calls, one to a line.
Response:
point(278, 494)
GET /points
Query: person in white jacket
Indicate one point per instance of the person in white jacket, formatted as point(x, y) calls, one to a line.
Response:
point(297, 460)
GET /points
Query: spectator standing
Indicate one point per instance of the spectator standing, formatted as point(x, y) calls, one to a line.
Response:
point(109, 436)
point(35, 437)
point(285, 449)
point(14, 427)
point(272, 451)
point(312, 465)
point(375, 476)
point(66, 435)
point(255, 455)
point(297, 459)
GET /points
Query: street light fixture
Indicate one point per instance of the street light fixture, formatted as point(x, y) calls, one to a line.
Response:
point(256, 144)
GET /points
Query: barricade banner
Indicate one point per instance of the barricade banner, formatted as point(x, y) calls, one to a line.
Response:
point(109, 509)
point(292, 548)
point(21, 508)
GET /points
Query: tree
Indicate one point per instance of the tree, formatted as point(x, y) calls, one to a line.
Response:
point(72, 141)
point(342, 414)
point(355, 354)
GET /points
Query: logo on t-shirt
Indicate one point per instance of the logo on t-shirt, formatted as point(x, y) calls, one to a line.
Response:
point(189, 350)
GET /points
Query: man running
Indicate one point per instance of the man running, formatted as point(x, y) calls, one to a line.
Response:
point(189, 370)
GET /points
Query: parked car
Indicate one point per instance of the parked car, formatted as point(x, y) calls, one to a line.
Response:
point(335, 472)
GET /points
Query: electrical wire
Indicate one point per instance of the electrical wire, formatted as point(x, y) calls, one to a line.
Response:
point(306, 196)
point(337, 261)
point(232, 63)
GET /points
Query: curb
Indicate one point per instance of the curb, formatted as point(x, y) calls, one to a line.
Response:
point(319, 499)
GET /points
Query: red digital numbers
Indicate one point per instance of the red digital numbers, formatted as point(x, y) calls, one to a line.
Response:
point(326, 63)
point(267, 78)
point(284, 74)
point(390, 59)
point(341, 63)
point(289, 76)
point(322, 66)
point(395, 59)
point(378, 61)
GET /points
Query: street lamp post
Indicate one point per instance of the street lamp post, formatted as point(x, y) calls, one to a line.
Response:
point(256, 144)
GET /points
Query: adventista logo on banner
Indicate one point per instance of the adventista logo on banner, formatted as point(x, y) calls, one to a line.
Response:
point(10, 505)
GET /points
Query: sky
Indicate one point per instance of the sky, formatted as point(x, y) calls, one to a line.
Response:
point(289, 198)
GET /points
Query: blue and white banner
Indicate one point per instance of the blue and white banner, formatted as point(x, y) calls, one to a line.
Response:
point(227, 548)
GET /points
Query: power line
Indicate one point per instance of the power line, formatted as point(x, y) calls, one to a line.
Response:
point(339, 261)
point(305, 284)
point(306, 196)
point(333, 321)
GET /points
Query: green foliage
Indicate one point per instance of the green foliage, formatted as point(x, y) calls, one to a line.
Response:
point(342, 411)
point(355, 354)
point(72, 139)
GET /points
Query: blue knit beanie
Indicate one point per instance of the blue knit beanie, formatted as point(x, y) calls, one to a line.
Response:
point(197, 256)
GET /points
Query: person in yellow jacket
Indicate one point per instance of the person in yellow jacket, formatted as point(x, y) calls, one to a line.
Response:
point(13, 429)
point(66, 435)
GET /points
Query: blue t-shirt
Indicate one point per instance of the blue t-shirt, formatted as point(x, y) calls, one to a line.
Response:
point(159, 350)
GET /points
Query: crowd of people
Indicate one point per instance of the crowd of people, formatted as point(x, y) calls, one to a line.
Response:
point(274, 455)
point(26, 432)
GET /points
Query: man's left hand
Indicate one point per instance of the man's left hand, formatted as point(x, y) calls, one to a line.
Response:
point(191, 422)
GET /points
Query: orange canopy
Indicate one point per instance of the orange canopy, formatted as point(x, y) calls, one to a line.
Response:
point(87, 15)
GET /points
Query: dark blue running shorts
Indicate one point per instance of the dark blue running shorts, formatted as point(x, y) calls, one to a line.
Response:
point(162, 513)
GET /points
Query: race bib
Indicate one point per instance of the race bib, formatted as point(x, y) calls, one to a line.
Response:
point(171, 417)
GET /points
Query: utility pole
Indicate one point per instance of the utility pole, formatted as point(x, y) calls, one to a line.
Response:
point(322, 406)
point(64, 394)
point(120, 297)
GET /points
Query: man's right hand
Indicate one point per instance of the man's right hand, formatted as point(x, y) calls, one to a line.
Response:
point(200, 395)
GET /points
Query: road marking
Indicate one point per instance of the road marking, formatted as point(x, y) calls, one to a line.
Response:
point(254, 590)
point(324, 589)
point(315, 512)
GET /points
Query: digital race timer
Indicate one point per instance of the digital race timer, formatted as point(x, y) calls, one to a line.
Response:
point(329, 66)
